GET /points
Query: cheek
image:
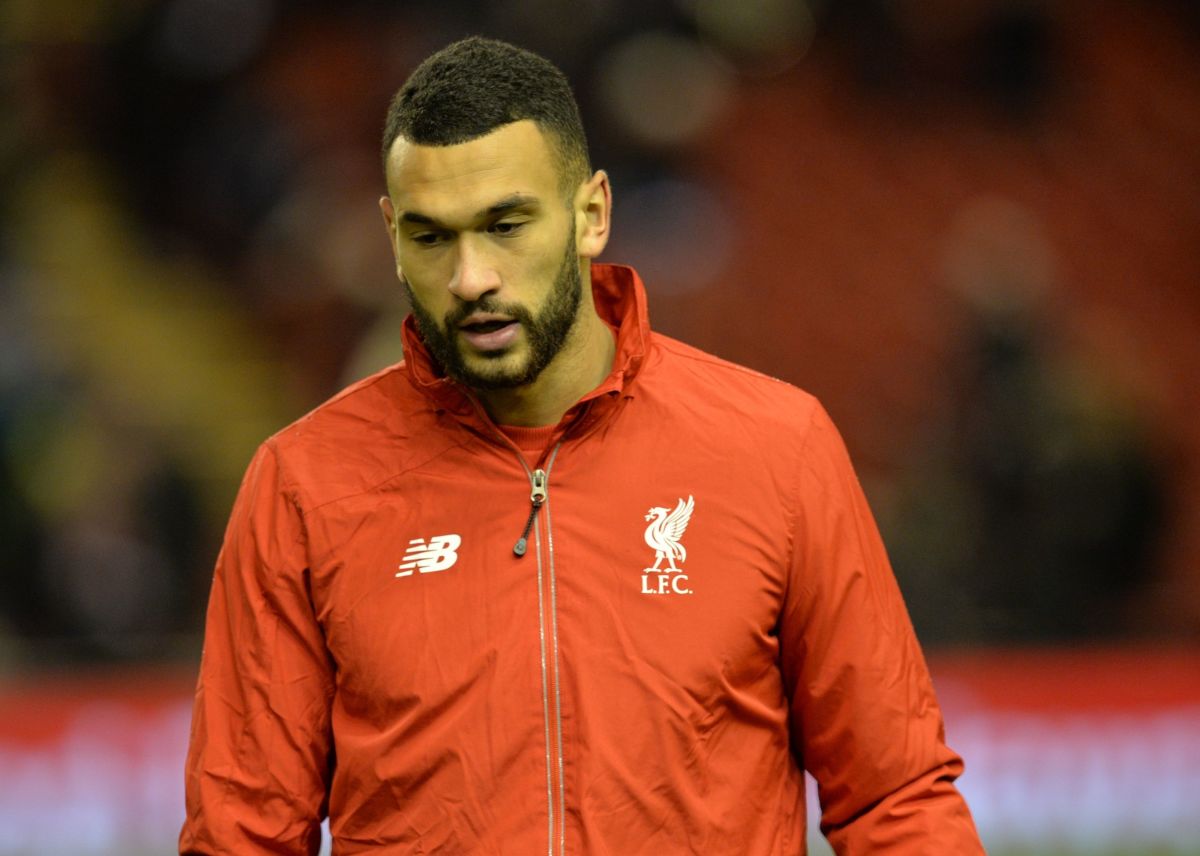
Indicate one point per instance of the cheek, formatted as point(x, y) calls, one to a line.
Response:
point(533, 273)
point(423, 275)
point(543, 264)
point(424, 291)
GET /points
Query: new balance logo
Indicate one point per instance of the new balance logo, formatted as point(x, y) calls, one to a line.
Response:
point(439, 554)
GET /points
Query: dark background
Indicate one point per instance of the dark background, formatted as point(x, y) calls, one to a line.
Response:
point(969, 227)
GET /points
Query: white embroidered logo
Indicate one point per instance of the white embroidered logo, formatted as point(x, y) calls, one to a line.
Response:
point(663, 536)
point(438, 555)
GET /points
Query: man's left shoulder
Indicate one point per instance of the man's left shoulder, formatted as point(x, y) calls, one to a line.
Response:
point(691, 371)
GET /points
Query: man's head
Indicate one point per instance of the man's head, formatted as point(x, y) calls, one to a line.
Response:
point(474, 86)
point(492, 213)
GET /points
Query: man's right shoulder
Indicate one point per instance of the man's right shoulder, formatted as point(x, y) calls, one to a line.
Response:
point(358, 408)
point(362, 436)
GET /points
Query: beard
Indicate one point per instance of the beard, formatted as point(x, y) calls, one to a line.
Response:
point(545, 333)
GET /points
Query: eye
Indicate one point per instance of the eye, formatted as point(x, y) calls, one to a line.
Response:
point(427, 239)
point(506, 228)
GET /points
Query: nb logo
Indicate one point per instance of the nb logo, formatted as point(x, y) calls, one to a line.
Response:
point(438, 554)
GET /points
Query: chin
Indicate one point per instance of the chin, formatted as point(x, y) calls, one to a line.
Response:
point(502, 371)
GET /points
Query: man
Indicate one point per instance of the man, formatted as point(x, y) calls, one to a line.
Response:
point(555, 583)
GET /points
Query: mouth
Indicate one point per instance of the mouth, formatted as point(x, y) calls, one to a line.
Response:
point(486, 326)
point(489, 332)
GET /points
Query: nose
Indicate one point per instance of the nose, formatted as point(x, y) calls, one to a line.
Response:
point(475, 273)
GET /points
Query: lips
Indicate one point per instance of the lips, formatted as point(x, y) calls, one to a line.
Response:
point(487, 332)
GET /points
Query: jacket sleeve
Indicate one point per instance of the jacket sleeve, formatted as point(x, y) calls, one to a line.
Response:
point(259, 761)
point(864, 718)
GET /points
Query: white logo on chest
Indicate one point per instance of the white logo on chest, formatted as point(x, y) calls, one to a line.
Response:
point(440, 553)
point(663, 536)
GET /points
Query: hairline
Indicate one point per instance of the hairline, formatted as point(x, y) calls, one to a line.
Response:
point(571, 166)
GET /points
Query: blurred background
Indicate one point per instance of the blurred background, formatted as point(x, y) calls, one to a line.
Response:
point(971, 227)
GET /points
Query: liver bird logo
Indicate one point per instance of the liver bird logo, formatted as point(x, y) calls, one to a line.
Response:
point(664, 532)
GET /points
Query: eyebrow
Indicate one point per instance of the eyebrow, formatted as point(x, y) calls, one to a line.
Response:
point(508, 203)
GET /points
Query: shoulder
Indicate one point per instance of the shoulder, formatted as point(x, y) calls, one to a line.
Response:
point(356, 412)
point(708, 384)
point(356, 440)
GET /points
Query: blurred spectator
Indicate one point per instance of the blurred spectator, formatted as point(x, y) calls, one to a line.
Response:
point(138, 400)
point(1000, 53)
point(1035, 508)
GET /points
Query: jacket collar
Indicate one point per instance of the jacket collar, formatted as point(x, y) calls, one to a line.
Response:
point(620, 301)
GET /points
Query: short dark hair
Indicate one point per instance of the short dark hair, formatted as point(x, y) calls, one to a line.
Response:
point(474, 86)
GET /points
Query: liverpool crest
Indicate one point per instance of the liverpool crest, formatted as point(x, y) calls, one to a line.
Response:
point(664, 535)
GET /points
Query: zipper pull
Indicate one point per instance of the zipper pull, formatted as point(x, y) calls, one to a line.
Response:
point(537, 496)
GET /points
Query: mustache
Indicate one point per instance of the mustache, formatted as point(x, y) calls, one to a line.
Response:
point(458, 314)
point(489, 305)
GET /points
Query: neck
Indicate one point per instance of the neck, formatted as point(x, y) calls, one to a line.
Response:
point(584, 362)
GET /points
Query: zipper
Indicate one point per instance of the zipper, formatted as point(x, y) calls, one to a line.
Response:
point(559, 752)
point(537, 496)
point(547, 606)
point(548, 640)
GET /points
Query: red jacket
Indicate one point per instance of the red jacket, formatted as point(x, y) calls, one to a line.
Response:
point(703, 610)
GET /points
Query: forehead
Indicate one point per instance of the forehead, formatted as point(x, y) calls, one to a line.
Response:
point(444, 181)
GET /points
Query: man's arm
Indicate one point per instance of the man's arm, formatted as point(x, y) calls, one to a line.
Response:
point(865, 721)
point(259, 762)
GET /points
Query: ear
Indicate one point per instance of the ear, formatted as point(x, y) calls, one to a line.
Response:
point(593, 213)
point(389, 220)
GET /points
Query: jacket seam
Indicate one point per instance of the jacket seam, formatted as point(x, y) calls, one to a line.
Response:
point(793, 535)
point(294, 486)
point(685, 352)
point(353, 389)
